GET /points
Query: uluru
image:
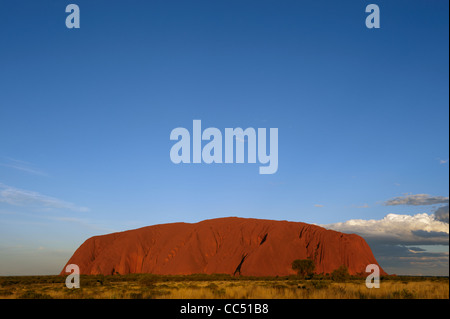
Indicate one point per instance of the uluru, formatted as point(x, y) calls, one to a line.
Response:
point(232, 245)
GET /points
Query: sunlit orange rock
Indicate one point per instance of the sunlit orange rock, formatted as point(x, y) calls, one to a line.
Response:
point(254, 247)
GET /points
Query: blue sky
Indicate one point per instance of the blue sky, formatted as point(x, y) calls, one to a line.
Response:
point(86, 114)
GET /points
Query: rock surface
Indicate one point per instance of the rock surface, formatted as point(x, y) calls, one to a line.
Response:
point(254, 247)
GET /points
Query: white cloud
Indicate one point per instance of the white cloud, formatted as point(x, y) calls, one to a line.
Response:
point(405, 244)
point(442, 214)
point(20, 197)
point(21, 166)
point(398, 229)
point(441, 161)
point(416, 200)
point(318, 205)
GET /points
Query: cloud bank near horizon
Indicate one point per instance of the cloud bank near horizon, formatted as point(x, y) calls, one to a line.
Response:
point(417, 244)
point(419, 229)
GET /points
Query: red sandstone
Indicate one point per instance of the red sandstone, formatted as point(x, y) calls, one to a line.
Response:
point(261, 248)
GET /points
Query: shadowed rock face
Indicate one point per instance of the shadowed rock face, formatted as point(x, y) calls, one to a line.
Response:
point(245, 246)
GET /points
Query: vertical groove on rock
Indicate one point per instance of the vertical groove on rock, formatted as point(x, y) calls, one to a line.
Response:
point(238, 268)
point(263, 240)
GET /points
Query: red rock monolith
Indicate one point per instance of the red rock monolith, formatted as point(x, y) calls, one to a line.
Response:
point(246, 246)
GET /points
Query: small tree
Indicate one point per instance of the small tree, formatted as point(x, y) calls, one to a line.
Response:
point(340, 274)
point(303, 266)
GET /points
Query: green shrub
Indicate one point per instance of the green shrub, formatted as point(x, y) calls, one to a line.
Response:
point(341, 274)
point(303, 266)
